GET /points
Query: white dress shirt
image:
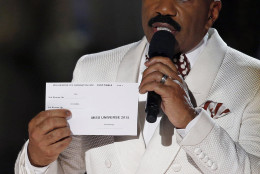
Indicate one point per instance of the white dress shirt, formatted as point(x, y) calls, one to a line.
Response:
point(149, 128)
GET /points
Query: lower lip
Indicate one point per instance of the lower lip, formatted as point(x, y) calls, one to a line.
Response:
point(155, 30)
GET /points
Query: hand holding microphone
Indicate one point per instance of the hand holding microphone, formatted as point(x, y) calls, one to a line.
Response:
point(166, 89)
point(162, 44)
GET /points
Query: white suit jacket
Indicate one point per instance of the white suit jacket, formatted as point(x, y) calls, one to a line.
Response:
point(228, 145)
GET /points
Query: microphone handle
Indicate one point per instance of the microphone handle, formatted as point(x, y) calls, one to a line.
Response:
point(162, 44)
point(153, 106)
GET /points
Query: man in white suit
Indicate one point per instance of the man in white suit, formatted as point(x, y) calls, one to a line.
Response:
point(222, 136)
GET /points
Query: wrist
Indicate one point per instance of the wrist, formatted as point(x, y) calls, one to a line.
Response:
point(32, 160)
point(189, 117)
point(28, 164)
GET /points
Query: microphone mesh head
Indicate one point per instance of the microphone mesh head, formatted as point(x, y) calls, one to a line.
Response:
point(162, 44)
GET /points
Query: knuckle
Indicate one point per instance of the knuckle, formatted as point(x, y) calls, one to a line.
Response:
point(168, 60)
point(33, 135)
point(145, 72)
point(42, 113)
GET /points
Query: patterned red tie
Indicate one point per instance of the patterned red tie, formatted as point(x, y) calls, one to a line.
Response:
point(183, 65)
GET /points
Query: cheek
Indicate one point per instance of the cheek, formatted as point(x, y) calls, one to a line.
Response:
point(145, 18)
point(145, 12)
point(193, 29)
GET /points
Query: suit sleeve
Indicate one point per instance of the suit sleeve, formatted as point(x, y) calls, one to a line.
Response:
point(214, 151)
point(55, 167)
point(22, 168)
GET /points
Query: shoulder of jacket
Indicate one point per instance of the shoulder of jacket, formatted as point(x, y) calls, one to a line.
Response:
point(241, 59)
point(109, 54)
point(243, 68)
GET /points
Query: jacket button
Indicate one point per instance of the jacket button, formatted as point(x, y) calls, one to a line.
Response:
point(201, 155)
point(108, 163)
point(176, 167)
point(209, 163)
point(197, 151)
point(205, 159)
point(214, 166)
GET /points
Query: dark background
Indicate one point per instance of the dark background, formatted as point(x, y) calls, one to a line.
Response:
point(40, 41)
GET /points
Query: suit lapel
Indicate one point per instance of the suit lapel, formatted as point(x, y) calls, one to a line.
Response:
point(130, 149)
point(205, 69)
point(161, 150)
point(129, 67)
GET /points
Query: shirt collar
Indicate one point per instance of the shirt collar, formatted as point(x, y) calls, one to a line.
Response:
point(193, 54)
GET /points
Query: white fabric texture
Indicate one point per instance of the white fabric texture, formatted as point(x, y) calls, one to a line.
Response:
point(226, 145)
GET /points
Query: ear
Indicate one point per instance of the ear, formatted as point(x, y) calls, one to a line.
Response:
point(214, 10)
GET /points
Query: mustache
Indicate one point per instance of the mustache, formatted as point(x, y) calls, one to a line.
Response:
point(164, 19)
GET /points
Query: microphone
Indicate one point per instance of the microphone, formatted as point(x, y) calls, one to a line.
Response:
point(162, 44)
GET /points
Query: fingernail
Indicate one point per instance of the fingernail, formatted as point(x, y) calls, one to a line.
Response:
point(147, 58)
point(68, 113)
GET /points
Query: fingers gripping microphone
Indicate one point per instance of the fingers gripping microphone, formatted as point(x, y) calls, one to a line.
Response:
point(162, 44)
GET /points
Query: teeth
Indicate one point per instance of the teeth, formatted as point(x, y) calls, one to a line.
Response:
point(163, 28)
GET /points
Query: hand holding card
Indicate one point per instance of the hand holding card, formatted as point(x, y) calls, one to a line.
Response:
point(97, 108)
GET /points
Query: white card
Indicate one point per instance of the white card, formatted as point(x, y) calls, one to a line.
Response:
point(97, 108)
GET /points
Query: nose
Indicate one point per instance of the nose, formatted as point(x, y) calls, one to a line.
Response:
point(166, 7)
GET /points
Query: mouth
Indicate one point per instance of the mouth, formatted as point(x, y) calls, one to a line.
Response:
point(158, 26)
